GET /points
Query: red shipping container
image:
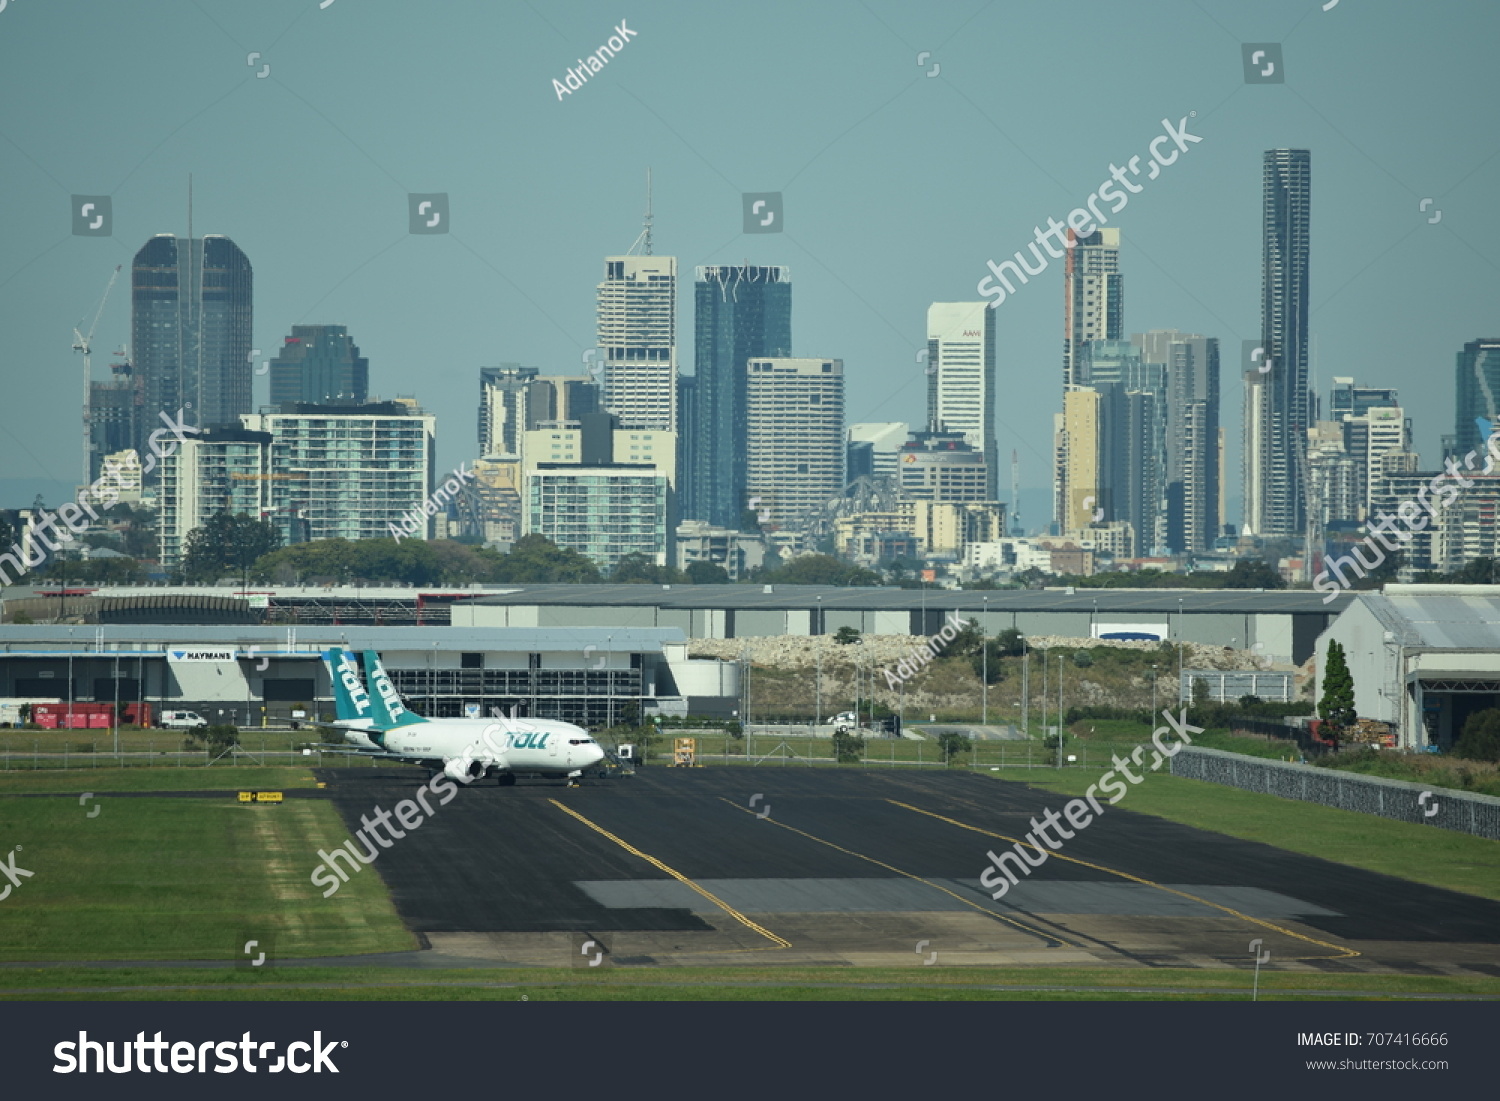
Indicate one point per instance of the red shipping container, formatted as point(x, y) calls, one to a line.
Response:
point(46, 722)
point(100, 720)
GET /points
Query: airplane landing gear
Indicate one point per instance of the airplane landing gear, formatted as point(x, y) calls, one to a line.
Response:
point(506, 779)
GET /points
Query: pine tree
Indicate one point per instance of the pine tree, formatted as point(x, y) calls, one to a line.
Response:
point(1336, 708)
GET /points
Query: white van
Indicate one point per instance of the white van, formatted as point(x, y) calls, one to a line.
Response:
point(182, 720)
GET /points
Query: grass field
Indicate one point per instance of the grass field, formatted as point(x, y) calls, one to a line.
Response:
point(180, 879)
point(194, 878)
point(1441, 858)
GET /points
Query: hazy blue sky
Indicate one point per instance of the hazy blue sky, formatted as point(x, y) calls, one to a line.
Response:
point(898, 186)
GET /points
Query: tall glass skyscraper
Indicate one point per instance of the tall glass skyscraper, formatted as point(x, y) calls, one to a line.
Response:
point(740, 313)
point(1478, 393)
point(1278, 405)
point(191, 331)
point(320, 364)
point(961, 378)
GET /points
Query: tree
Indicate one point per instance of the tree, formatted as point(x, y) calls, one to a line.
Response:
point(1251, 573)
point(707, 573)
point(821, 569)
point(952, 742)
point(1481, 737)
point(226, 545)
point(1012, 643)
point(846, 635)
point(639, 569)
point(1336, 708)
point(847, 747)
point(967, 642)
point(535, 559)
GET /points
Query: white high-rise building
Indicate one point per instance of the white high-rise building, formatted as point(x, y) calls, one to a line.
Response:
point(961, 377)
point(795, 434)
point(637, 330)
point(886, 438)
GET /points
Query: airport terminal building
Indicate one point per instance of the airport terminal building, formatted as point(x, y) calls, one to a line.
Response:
point(246, 675)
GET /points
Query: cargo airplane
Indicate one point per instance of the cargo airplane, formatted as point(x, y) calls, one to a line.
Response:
point(378, 724)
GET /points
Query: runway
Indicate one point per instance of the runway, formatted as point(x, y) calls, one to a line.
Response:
point(821, 866)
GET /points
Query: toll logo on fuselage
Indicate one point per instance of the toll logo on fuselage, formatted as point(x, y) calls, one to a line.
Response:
point(529, 739)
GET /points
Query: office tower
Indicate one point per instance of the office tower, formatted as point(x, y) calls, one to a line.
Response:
point(637, 330)
point(349, 472)
point(943, 466)
point(886, 439)
point(1129, 440)
point(222, 470)
point(1335, 475)
point(603, 511)
point(961, 378)
point(320, 364)
point(739, 313)
point(1093, 297)
point(1191, 435)
point(1079, 488)
point(1278, 405)
point(1347, 399)
point(794, 426)
point(1478, 385)
point(1380, 430)
point(508, 399)
point(1093, 309)
point(597, 439)
point(114, 414)
point(191, 331)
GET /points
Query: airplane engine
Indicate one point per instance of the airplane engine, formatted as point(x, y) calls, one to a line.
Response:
point(465, 769)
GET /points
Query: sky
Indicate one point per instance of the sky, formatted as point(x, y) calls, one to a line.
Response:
point(910, 144)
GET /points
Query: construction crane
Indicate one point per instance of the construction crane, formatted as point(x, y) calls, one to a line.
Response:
point(84, 344)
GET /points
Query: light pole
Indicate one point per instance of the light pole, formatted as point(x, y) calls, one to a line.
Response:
point(1181, 645)
point(1060, 723)
point(818, 642)
point(1025, 688)
point(1153, 693)
point(984, 650)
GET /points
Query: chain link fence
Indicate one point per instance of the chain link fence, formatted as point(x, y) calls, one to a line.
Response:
point(1465, 812)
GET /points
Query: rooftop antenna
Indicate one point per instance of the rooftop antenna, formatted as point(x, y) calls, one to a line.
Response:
point(644, 240)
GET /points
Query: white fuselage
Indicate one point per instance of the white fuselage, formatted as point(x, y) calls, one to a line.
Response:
point(538, 745)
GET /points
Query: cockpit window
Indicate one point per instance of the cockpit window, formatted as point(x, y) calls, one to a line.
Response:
point(581, 741)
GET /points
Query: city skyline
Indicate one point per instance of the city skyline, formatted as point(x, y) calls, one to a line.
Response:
point(499, 287)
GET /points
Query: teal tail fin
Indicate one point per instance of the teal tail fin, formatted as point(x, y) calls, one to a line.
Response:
point(388, 709)
point(350, 699)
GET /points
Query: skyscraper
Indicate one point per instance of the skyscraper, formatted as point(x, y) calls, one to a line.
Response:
point(1278, 409)
point(740, 313)
point(509, 397)
point(637, 329)
point(1093, 309)
point(961, 379)
point(1478, 385)
point(320, 364)
point(1093, 297)
point(1192, 475)
point(794, 419)
point(191, 330)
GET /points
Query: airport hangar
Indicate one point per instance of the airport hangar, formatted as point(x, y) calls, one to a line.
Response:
point(242, 674)
point(1283, 625)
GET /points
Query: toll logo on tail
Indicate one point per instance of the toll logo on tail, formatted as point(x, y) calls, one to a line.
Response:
point(351, 701)
point(389, 710)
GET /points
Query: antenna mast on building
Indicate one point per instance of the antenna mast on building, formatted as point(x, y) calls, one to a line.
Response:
point(643, 242)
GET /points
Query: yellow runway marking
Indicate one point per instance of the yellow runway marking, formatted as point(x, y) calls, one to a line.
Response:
point(719, 902)
point(891, 867)
point(1345, 953)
